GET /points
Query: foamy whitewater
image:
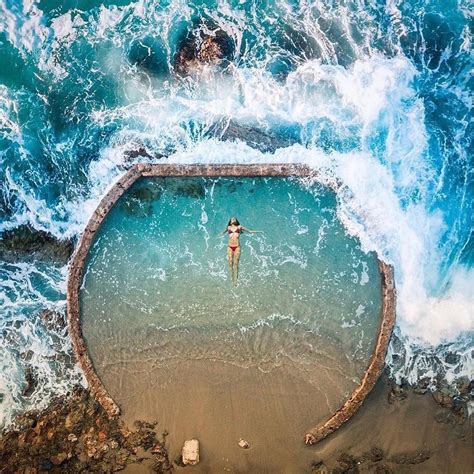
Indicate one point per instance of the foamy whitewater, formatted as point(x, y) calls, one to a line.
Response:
point(375, 96)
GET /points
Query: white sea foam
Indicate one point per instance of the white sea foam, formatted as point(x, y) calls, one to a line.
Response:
point(23, 25)
point(25, 290)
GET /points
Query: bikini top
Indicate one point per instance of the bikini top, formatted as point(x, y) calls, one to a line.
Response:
point(236, 231)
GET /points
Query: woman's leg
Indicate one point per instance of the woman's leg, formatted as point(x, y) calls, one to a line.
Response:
point(230, 258)
point(235, 265)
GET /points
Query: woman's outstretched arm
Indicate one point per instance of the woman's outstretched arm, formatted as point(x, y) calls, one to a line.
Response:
point(251, 231)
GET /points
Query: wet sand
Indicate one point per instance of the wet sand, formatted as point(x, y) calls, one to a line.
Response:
point(220, 403)
point(405, 427)
point(406, 431)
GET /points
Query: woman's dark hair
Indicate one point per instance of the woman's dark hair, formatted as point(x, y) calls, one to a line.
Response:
point(236, 221)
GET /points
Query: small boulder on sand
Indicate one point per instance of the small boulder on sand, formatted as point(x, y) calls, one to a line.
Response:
point(190, 452)
point(244, 444)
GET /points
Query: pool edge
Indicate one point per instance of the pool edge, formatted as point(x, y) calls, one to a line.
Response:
point(375, 366)
point(78, 259)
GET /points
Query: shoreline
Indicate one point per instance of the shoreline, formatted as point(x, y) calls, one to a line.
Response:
point(396, 430)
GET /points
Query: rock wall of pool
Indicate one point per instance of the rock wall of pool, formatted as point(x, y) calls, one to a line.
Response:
point(161, 333)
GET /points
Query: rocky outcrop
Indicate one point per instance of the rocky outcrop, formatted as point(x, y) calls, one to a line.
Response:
point(254, 137)
point(416, 457)
point(139, 151)
point(203, 45)
point(53, 320)
point(26, 243)
point(31, 382)
point(75, 435)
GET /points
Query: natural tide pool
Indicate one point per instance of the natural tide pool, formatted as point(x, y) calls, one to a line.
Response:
point(173, 341)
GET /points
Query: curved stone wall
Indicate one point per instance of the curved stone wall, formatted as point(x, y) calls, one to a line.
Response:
point(78, 260)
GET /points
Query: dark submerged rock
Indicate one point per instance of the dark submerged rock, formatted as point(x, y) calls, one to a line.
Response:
point(422, 386)
point(53, 320)
point(147, 193)
point(417, 457)
point(25, 241)
point(262, 140)
point(139, 202)
point(149, 54)
point(190, 189)
point(452, 358)
point(31, 382)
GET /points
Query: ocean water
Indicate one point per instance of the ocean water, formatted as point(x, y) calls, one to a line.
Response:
point(375, 95)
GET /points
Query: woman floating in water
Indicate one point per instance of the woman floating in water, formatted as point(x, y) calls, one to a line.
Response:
point(234, 229)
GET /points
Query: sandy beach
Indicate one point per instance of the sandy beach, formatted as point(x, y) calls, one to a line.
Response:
point(219, 404)
point(395, 431)
point(399, 433)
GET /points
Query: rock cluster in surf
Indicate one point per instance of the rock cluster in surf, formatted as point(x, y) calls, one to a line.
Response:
point(206, 44)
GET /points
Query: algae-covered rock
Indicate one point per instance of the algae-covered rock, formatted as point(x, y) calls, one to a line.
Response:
point(25, 242)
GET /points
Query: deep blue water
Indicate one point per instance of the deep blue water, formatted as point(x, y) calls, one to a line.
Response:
point(375, 94)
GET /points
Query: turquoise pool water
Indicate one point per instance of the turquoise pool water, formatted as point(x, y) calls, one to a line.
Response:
point(156, 282)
